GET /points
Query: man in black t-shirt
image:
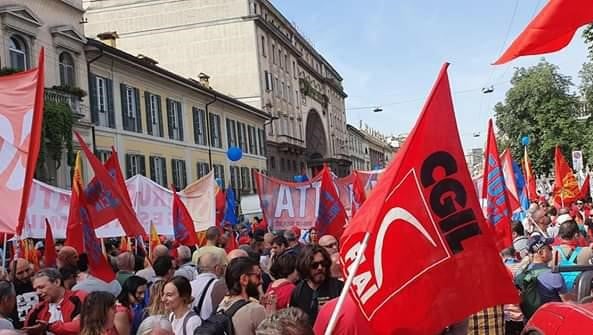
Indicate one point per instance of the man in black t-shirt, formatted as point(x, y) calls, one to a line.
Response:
point(26, 297)
point(317, 286)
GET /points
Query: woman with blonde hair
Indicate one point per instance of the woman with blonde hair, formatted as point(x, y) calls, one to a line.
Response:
point(97, 314)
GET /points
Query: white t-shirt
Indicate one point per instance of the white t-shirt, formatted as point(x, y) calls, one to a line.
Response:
point(192, 323)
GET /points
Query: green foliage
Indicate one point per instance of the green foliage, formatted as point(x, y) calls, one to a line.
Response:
point(57, 131)
point(541, 106)
point(588, 37)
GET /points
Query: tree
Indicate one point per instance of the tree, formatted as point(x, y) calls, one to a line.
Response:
point(541, 106)
point(588, 37)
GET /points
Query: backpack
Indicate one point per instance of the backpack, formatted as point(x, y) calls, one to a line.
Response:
point(569, 277)
point(527, 283)
point(198, 308)
point(221, 322)
point(186, 318)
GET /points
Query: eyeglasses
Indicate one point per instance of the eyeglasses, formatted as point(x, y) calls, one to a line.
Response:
point(315, 265)
point(331, 245)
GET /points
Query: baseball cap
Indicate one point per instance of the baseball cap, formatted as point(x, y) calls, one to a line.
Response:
point(536, 242)
point(563, 218)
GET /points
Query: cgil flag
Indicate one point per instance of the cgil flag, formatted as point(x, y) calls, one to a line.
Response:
point(425, 230)
point(183, 224)
point(498, 209)
point(566, 188)
point(551, 30)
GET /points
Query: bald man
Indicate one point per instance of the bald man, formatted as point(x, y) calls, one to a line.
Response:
point(538, 223)
point(208, 287)
point(329, 243)
point(236, 254)
point(148, 272)
point(68, 256)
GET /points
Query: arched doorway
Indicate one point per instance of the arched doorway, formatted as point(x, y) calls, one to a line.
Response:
point(316, 142)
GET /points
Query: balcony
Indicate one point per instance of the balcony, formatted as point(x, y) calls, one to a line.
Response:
point(290, 144)
point(58, 95)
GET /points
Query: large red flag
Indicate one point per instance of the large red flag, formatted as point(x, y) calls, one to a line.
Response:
point(21, 115)
point(50, 256)
point(183, 224)
point(498, 209)
point(331, 216)
point(358, 193)
point(530, 186)
point(431, 259)
point(114, 169)
point(551, 30)
point(74, 229)
point(566, 188)
point(107, 201)
point(585, 189)
point(98, 265)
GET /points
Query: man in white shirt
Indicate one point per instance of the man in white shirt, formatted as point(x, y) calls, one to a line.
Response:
point(207, 288)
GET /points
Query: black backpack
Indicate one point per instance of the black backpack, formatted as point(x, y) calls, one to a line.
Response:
point(221, 322)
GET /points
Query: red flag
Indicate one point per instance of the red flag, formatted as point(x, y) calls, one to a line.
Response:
point(50, 249)
point(183, 224)
point(74, 229)
point(107, 201)
point(425, 229)
point(220, 206)
point(529, 178)
point(331, 217)
point(21, 115)
point(551, 30)
point(114, 169)
point(98, 265)
point(566, 188)
point(498, 209)
point(358, 193)
point(506, 160)
point(585, 189)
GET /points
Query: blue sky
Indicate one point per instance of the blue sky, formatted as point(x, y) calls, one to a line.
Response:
point(389, 53)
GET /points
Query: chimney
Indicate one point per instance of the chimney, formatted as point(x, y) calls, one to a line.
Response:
point(204, 79)
point(108, 38)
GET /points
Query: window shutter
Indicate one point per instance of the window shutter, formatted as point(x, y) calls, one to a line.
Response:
point(148, 113)
point(110, 107)
point(174, 170)
point(169, 118)
point(160, 115)
point(183, 175)
point(164, 168)
point(197, 129)
point(128, 166)
point(124, 107)
point(152, 172)
point(138, 110)
point(142, 163)
point(93, 94)
point(180, 119)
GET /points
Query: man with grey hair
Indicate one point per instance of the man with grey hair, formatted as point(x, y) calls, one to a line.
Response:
point(7, 304)
point(148, 272)
point(207, 289)
point(125, 266)
point(186, 268)
point(287, 321)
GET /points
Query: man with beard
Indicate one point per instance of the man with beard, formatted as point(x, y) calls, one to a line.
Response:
point(242, 277)
point(317, 286)
point(26, 298)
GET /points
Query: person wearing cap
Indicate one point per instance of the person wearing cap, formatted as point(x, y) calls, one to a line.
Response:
point(551, 286)
point(293, 242)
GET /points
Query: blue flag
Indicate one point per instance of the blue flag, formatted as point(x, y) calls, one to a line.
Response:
point(523, 199)
point(230, 215)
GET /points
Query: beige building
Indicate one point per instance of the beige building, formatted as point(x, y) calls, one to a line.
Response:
point(26, 26)
point(370, 149)
point(252, 53)
point(358, 147)
point(167, 127)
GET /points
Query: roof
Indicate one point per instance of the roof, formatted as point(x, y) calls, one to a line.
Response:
point(193, 84)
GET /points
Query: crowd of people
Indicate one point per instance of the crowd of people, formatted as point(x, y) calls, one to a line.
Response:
point(285, 282)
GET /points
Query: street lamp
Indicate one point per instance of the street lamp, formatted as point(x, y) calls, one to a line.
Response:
point(377, 110)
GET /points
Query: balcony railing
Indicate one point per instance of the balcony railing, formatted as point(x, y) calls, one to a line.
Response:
point(70, 100)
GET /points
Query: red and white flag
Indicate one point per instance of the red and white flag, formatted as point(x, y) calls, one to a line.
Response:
point(431, 259)
point(21, 117)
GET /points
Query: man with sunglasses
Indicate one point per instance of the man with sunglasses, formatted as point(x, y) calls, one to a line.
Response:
point(317, 285)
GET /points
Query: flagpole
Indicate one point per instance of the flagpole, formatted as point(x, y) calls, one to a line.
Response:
point(4, 252)
point(334, 317)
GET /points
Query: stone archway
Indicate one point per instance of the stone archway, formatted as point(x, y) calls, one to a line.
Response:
point(316, 141)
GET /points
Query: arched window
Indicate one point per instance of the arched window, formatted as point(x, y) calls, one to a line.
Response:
point(17, 49)
point(66, 69)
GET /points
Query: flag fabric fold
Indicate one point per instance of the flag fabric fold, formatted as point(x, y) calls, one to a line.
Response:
point(183, 224)
point(331, 216)
point(427, 235)
point(506, 160)
point(358, 193)
point(566, 188)
point(230, 214)
point(498, 209)
point(585, 189)
point(530, 184)
point(551, 30)
point(50, 256)
point(74, 228)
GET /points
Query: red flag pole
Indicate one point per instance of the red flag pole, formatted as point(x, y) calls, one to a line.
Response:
point(360, 253)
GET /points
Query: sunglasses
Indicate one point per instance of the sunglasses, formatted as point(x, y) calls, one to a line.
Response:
point(324, 264)
point(331, 245)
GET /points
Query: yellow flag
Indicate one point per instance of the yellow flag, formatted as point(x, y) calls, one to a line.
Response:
point(77, 176)
point(154, 238)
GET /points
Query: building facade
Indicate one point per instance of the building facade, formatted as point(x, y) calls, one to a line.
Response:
point(251, 52)
point(369, 149)
point(358, 148)
point(167, 127)
point(27, 26)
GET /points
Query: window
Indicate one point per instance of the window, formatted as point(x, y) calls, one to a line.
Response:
point(263, 46)
point(268, 79)
point(17, 49)
point(103, 155)
point(253, 180)
point(245, 180)
point(219, 172)
point(278, 91)
point(261, 139)
point(158, 170)
point(294, 165)
point(252, 140)
point(102, 111)
point(282, 164)
point(203, 168)
point(283, 91)
point(280, 57)
point(174, 116)
point(231, 133)
point(130, 105)
point(135, 165)
point(272, 162)
point(236, 179)
point(200, 128)
point(66, 65)
point(179, 175)
point(154, 114)
point(290, 96)
point(273, 54)
point(294, 71)
point(286, 63)
point(215, 133)
point(242, 136)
